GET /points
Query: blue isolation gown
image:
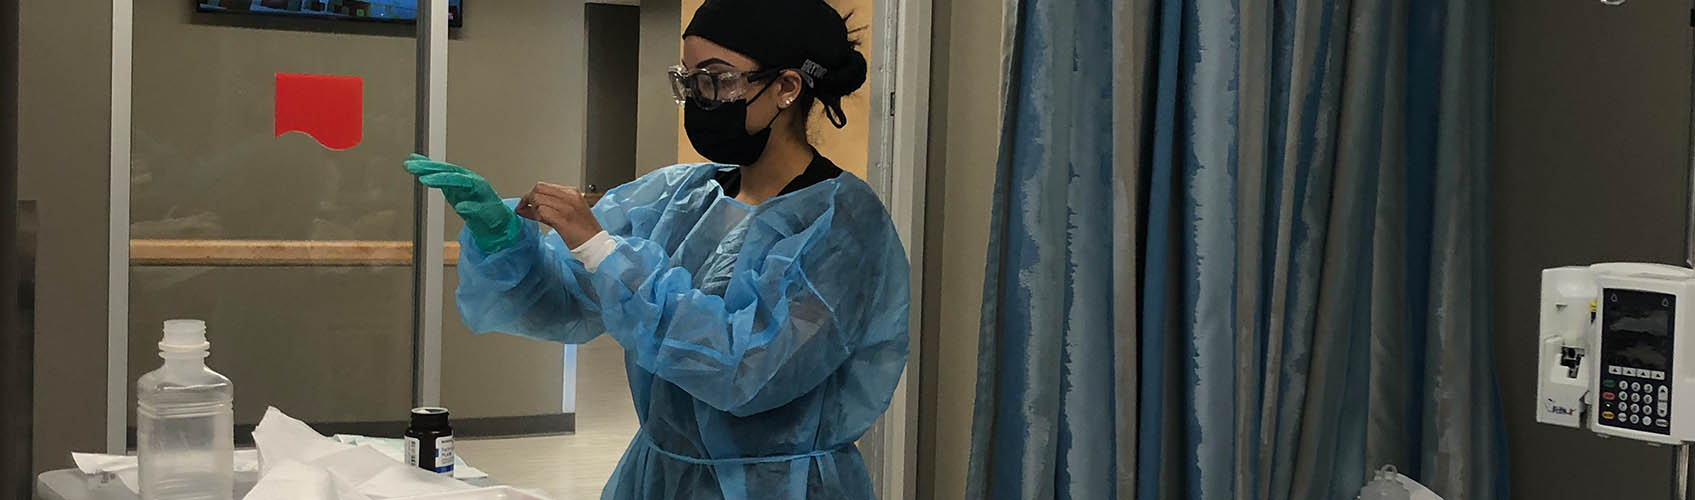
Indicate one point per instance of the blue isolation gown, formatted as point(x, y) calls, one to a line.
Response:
point(760, 341)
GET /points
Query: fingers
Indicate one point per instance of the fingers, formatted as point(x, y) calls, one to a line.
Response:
point(527, 206)
point(449, 180)
point(553, 204)
point(564, 209)
point(486, 214)
point(551, 211)
point(556, 190)
point(552, 216)
point(556, 200)
point(553, 196)
point(562, 196)
point(426, 167)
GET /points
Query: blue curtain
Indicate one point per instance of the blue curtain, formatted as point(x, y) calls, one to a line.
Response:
point(1239, 252)
point(1049, 312)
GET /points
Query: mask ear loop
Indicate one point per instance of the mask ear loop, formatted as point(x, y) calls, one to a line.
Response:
point(761, 92)
point(833, 111)
point(812, 72)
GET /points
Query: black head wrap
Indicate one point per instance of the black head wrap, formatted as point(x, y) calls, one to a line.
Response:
point(807, 36)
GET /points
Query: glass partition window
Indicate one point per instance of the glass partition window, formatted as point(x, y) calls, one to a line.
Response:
point(294, 246)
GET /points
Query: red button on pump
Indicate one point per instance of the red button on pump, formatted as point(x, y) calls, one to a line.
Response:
point(1607, 396)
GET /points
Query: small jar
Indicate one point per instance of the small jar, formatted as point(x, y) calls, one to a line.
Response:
point(429, 440)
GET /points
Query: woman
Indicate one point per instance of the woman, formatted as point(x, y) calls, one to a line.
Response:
point(761, 300)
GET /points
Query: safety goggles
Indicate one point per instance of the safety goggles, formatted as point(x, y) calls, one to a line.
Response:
point(710, 89)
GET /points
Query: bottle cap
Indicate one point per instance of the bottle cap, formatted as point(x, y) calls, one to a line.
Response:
point(429, 418)
point(184, 335)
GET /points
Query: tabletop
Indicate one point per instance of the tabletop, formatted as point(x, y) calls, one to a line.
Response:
point(72, 484)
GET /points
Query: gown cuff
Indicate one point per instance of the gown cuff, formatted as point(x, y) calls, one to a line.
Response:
point(591, 252)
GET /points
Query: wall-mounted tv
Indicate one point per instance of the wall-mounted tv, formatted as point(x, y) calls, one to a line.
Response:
point(398, 11)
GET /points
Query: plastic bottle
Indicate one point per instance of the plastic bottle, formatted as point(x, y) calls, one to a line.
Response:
point(1384, 486)
point(185, 425)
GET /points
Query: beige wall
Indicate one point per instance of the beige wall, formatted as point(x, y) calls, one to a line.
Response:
point(847, 146)
point(964, 120)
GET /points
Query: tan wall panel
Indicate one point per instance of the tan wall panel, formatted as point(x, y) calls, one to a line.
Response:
point(965, 112)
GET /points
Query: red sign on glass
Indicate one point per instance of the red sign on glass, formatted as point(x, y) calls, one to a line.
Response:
point(328, 108)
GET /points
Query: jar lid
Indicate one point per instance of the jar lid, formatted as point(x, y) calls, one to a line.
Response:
point(429, 418)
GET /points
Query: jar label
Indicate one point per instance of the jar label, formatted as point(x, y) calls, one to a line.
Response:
point(444, 455)
point(412, 451)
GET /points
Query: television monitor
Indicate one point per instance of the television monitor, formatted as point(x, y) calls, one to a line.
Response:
point(397, 11)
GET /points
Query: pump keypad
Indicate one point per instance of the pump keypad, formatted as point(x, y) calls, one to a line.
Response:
point(1639, 400)
point(1635, 358)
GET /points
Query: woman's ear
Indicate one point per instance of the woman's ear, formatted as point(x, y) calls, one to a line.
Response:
point(788, 89)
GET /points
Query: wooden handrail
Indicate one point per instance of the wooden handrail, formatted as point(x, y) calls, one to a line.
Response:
point(274, 253)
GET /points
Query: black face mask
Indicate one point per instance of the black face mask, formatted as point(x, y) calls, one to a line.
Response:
point(720, 134)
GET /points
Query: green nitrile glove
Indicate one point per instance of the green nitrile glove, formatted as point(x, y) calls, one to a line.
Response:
point(493, 226)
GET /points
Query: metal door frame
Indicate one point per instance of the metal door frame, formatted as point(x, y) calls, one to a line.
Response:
point(899, 150)
point(429, 207)
point(117, 227)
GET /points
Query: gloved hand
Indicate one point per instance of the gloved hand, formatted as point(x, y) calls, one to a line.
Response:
point(493, 226)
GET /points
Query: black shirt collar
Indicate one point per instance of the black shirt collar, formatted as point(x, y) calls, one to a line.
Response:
point(819, 170)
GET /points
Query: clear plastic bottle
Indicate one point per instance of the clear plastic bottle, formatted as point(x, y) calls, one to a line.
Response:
point(1385, 486)
point(185, 424)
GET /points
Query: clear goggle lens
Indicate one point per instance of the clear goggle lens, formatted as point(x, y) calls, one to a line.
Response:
point(710, 89)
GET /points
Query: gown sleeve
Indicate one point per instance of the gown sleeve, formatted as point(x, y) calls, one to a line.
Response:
point(535, 289)
point(784, 324)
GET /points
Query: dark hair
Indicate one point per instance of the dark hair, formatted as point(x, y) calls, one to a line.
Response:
point(837, 83)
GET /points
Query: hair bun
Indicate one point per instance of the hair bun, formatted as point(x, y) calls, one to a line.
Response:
point(844, 79)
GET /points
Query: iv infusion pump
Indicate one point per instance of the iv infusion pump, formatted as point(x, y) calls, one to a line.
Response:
point(1617, 351)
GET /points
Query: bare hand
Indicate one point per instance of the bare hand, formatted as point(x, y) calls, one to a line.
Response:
point(563, 208)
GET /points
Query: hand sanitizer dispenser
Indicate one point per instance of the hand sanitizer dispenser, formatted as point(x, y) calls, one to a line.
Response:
point(1609, 355)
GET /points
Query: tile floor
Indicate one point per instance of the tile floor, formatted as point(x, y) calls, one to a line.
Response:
point(575, 466)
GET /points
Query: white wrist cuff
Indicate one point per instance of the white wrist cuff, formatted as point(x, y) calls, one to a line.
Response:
point(591, 252)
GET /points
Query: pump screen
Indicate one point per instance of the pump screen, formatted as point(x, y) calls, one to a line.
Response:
point(1636, 348)
point(1636, 329)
